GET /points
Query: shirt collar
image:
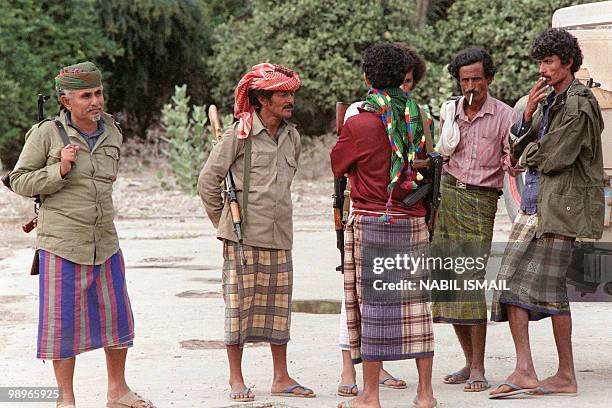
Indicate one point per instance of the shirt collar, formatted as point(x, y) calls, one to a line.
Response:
point(258, 125)
point(488, 107)
point(95, 133)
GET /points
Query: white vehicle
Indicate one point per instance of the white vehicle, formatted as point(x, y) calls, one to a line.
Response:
point(591, 24)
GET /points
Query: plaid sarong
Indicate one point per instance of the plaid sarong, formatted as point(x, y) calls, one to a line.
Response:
point(535, 272)
point(82, 307)
point(464, 230)
point(380, 330)
point(257, 296)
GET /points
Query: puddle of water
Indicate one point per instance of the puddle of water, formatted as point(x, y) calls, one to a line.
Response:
point(200, 294)
point(195, 344)
point(167, 259)
point(316, 306)
point(205, 280)
point(174, 266)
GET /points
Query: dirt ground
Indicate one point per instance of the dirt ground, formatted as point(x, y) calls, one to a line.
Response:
point(173, 266)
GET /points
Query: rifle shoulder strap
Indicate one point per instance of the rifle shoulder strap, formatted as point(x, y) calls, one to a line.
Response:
point(62, 132)
point(427, 131)
point(246, 181)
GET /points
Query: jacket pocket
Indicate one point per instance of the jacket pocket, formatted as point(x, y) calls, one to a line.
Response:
point(566, 213)
point(107, 164)
point(289, 168)
point(261, 168)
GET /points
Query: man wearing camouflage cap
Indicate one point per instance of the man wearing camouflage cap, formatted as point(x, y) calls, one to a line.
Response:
point(83, 300)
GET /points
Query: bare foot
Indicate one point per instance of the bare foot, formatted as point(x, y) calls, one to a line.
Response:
point(429, 402)
point(519, 378)
point(390, 380)
point(560, 383)
point(282, 384)
point(477, 382)
point(458, 377)
point(361, 402)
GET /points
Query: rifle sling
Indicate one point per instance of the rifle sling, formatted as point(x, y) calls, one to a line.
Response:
point(246, 182)
point(62, 132)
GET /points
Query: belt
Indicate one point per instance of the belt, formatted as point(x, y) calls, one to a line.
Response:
point(449, 179)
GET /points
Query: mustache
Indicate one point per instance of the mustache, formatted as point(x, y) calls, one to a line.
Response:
point(290, 106)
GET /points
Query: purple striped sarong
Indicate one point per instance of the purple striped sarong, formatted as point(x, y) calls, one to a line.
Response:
point(82, 307)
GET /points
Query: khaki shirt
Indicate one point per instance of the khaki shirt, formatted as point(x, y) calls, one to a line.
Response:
point(75, 220)
point(269, 221)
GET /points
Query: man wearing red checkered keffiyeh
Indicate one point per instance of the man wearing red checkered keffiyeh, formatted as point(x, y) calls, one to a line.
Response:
point(262, 77)
point(262, 150)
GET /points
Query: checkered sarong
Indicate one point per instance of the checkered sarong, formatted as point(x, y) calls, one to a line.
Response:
point(535, 272)
point(382, 330)
point(257, 296)
point(464, 230)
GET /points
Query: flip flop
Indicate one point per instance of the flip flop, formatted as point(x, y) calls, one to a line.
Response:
point(288, 392)
point(543, 391)
point(415, 404)
point(470, 382)
point(516, 390)
point(462, 378)
point(234, 394)
point(347, 394)
point(130, 400)
point(395, 387)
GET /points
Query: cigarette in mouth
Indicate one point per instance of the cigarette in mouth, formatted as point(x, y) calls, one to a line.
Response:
point(471, 96)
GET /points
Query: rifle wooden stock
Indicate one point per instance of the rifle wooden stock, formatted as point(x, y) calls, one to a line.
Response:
point(230, 187)
point(341, 108)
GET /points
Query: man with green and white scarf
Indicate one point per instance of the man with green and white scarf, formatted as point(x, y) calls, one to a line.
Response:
point(377, 149)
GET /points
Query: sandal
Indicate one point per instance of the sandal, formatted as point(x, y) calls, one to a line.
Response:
point(130, 400)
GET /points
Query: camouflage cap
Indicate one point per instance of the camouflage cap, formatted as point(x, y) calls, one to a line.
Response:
point(83, 75)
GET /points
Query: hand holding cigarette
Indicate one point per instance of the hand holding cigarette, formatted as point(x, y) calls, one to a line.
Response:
point(536, 95)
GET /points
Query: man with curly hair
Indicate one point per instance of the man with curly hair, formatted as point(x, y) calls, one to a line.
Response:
point(377, 149)
point(473, 176)
point(558, 139)
point(348, 377)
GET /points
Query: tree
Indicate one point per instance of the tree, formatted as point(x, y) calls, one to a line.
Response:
point(36, 39)
point(163, 43)
point(322, 43)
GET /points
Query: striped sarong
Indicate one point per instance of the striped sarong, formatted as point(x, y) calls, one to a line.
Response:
point(398, 328)
point(464, 231)
point(82, 307)
point(257, 296)
point(535, 271)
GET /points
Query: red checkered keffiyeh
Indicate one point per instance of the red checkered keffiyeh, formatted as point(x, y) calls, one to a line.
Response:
point(265, 76)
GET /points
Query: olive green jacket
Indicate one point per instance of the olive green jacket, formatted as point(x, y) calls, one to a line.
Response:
point(570, 161)
point(75, 220)
point(269, 220)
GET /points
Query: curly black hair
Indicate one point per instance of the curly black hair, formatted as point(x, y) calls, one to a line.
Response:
point(471, 56)
point(415, 63)
point(385, 65)
point(557, 41)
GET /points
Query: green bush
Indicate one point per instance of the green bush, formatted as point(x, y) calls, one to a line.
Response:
point(321, 41)
point(36, 39)
point(189, 141)
point(505, 28)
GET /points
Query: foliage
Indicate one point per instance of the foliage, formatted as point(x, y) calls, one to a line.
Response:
point(162, 42)
point(36, 39)
point(322, 43)
point(188, 139)
point(504, 28)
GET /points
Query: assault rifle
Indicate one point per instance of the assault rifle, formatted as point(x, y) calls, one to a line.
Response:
point(230, 186)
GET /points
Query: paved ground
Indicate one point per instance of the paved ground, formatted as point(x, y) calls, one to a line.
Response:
point(173, 268)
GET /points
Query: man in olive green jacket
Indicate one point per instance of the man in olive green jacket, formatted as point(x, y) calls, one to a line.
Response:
point(71, 162)
point(559, 142)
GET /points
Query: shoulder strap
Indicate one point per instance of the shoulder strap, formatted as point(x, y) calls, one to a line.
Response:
point(427, 131)
point(246, 181)
point(62, 132)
